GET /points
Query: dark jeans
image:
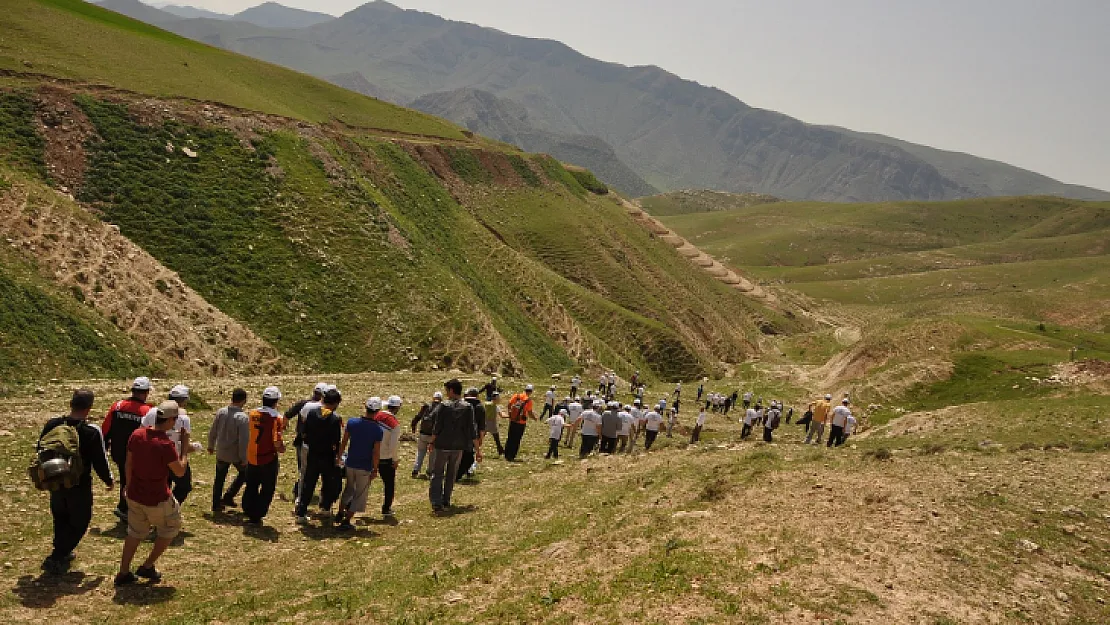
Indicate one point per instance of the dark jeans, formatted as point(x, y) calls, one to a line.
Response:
point(317, 469)
point(696, 436)
point(388, 473)
point(444, 470)
point(649, 438)
point(465, 463)
point(588, 444)
point(608, 445)
point(767, 432)
point(121, 466)
point(72, 510)
point(548, 409)
point(332, 487)
point(221, 477)
point(182, 486)
point(836, 436)
point(259, 494)
point(512, 443)
point(574, 391)
point(745, 431)
point(553, 448)
point(496, 436)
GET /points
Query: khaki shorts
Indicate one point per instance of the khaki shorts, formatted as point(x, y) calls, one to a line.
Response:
point(165, 518)
point(356, 490)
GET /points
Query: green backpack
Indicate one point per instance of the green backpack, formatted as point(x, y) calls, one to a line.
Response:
point(61, 443)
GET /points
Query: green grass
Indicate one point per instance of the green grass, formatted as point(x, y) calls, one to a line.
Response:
point(466, 164)
point(589, 182)
point(21, 144)
point(524, 170)
point(699, 201)
point(46, 333)
point(77, 40)
point(555, 171)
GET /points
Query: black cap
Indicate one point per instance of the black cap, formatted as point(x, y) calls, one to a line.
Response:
point(332, 397)
point(471, 392)
point(453, 385)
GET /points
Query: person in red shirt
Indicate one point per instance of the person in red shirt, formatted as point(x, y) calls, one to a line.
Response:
point(151, 457)
point(266, 426)
point(123, 418)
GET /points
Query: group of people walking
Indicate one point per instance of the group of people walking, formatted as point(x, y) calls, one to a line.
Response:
point(151, 447)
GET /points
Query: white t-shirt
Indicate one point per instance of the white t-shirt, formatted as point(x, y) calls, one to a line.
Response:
point(653, 420)
point(556, 423)
point(183, 423)
point(574, 410)
point(637, 416)
point(575, 381)
point(747, 396)
point(840, 415)
point(591, 423)
point(851, 427)
point(549, 398)
point(750, 416)
point(701, 418)
point(626, 423)
point(604, 379)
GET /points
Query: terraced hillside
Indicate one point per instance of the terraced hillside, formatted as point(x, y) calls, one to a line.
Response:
point(270, 243)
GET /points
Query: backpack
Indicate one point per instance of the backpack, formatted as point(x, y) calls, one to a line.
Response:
point(427, 418)
point(61, 442)
point(516, 407)
point(807, 418)
point(773, 422)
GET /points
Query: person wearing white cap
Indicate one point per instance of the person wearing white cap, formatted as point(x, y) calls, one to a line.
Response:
point(425, 417)
point(548, 403)
point(263, 446)
point(296, 415)
point(556, 423)
point(610, 428)
point(589, 425)
point(520, 410)
point(180, 434)
point(652, 422)
point(386, 419)
point(821, 409)
point(574, 410)
point(323, 431)
point(362, 442)
point(624, 434)
point(575, 382)
point(637, 411)
point(493, 427)
point(123, 418)
point(839, 421)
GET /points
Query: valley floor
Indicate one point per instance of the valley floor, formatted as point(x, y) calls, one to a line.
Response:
point(983, 513)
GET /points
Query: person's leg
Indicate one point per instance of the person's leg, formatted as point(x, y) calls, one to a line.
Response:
point(308, 485)
point(72, 512)
point(439, 474)
point(218, 485)
point(820, 432)
point(451, 470)
point(183, 485)
point(388, 474)
point(121, 507)
point(251, 492)
point(160, 546)
point(496, 436)
point(465, 463)
point(267, 488)
point(236, 485)
point(130, 546)
point(422, 445)
point(649, 439)
point(766, 435)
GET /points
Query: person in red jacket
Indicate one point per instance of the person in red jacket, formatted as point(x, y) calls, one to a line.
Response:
point(123, 418)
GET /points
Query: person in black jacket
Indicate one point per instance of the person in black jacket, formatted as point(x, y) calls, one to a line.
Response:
point(71, 508)
point(454, 429)
point(323, 430)
point(294, 416)
point(466, 465)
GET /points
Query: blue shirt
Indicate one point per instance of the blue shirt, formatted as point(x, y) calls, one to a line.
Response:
point(362, 433)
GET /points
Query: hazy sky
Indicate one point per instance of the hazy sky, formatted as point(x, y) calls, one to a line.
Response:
point(1022, 81)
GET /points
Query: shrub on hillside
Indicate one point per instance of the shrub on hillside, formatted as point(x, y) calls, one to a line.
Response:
point(589, 182)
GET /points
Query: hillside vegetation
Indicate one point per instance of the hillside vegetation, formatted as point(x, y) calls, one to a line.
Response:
point(673, 133)
point(341, 247)
point(701, 201)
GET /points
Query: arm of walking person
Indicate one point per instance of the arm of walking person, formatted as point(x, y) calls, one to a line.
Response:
point(100, 459)
point(212, 432)
point(243, 428)
point(342, 448)
point(377, 459)
point(185, 443)
point(177, 467)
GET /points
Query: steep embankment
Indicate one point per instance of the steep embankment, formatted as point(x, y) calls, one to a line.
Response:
point(343, 247)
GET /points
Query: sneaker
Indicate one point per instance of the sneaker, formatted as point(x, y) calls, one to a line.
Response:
point(54, 566)
point(345, 526)
point(388, 513)
point(217, 509)
point(148, 572)
point(123, 579)
point(302, 520)
point(437, 509)
point(414, 474)
point(254, 522)
point(120, 514)
point(229, 502)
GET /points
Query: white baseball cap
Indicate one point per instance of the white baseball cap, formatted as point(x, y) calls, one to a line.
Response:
point(828, 395)
point(331, 387)
point(180, 392)
point(437, 395)
point(394, 401)
point(374, 403)
point(141, 384)
point(321, 388)
point(529, 388)
point(271, 392)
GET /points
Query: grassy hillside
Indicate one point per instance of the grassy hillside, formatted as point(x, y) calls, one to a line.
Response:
point(701, 201)
point(77, 40)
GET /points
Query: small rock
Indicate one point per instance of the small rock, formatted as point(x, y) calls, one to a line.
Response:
point(1028, 545)
point(454, 597)
point(6, 433)
point(1062, 596)
point(889, 585)
point(8, 565)
point(693, 514)
point(189, 153)
point(40, 391)
point(1073, 512)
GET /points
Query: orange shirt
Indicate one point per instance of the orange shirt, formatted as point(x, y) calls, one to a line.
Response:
point(265, 432)
point(820, 411)
point(525, 403)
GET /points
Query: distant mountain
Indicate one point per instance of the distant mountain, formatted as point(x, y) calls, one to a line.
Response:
point(984, 176)
point(673, 133)
point(188, 12)
point(274, 15)
point(504, 120)
point(357, 82)
point(140, 11)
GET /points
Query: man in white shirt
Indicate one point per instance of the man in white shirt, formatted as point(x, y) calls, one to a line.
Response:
point(652, 422)
point(851, 427)
point(548, 403)
point(589, 424)
point(575, 382)
point(637, 413)
point(180, 435)
point(574, 411)
point(840, 416)
point(556, 423)
point(624, 435)
point(750, 416)
point(696, 436)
